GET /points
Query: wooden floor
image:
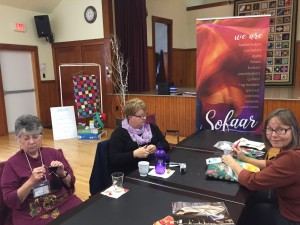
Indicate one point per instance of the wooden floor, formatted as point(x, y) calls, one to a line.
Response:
point(79, 153)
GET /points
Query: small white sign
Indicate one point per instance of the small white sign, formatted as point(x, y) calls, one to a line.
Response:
point(63, 122)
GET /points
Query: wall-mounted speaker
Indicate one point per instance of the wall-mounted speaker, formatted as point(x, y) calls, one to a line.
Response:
point(43, 27)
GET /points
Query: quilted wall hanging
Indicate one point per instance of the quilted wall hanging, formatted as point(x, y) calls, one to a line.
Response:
point(86, 94)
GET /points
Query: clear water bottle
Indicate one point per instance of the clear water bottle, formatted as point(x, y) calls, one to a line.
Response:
point(160, 163)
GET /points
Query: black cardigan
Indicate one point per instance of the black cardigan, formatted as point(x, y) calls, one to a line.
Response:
point(121, 148)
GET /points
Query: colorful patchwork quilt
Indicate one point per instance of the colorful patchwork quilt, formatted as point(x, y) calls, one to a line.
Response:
point(86, 92)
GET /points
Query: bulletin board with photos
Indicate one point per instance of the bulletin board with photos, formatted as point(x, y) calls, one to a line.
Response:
point(281, 39)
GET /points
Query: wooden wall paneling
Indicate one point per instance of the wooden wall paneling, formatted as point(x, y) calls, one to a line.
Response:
point(151, 69)
point(172, 112)
point(67, 54)
point(179, 68)
point(183, 68)
point(191, 67)
point(108, 20)
point(36, 79)
point(49, 97)
point(179, 112)
point(270, 105)
point(90, 51)
point(96, 54)
point(3, 119)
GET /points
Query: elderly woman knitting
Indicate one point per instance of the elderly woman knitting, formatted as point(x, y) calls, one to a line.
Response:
point(37, 182)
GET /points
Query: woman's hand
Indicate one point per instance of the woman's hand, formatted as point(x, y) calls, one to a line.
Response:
point(151, 148)
point(235, 166)
point(141, 152)
point(37, 175)
point(60, 168)
point(228, 160)
point(239, 153)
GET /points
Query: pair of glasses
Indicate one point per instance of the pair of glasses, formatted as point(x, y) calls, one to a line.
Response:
point(279, 130)
point(34, 137)
point(142, 116)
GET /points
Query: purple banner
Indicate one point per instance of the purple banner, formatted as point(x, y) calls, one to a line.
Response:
point(231, 64)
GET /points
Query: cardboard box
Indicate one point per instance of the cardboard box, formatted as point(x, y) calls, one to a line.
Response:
point(88, 134)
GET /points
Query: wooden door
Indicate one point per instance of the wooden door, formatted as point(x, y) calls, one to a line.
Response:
point(91, 51)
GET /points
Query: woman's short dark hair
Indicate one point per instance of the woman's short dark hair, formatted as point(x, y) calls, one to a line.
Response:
point(134, 105)
point(28, 124)
point(288, 118)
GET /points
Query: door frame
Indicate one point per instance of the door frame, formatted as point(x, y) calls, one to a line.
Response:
point(169, 24)
point(36, 79)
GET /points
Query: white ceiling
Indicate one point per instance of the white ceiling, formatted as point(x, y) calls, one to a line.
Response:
point(42, 6)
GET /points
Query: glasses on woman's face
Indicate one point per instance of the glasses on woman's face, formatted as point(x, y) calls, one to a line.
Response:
point(279, 130)
point(144, 116)
point(34, 137)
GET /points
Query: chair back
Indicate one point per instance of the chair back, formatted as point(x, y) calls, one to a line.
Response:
point(5, 212)
point(151, 118)
point(100, 177)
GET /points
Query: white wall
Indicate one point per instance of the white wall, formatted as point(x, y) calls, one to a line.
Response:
point(169, 9)
point(184, 22)
point(68, 23)
point(221, 11)
point(8, 18)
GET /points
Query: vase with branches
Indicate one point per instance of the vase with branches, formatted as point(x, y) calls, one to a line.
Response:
point(119, 72)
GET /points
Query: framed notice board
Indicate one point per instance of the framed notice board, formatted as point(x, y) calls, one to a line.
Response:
point(281, 39)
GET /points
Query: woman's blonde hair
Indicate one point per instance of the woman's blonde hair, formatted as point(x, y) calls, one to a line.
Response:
point(134, 105)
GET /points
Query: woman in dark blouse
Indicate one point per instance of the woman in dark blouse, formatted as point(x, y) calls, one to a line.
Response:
point(135, 140)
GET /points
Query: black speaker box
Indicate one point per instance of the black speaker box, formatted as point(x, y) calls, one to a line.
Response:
point(43, 27)
point(163, 88)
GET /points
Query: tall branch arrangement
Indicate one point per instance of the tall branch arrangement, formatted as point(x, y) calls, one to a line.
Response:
point(119, 71)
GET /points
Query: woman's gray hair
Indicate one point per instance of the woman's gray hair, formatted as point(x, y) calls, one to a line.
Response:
point(28, 124)
point(288, 118)
point(134, 105)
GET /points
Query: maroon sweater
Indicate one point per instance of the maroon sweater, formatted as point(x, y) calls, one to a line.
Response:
point(43, 209)
point(283, 175)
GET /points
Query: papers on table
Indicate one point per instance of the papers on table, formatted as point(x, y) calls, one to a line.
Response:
point(113, 194)
point(167, 174)
point(252, 149)
point(243, 142)
point(213, 160)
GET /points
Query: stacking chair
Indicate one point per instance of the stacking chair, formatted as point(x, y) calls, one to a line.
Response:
point(5, 212)
point(100, 177)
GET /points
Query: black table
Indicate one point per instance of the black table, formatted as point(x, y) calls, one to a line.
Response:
point(195, 179)
point(149, 199)
point(206, 139)
point(194, 151)
point(144, 204)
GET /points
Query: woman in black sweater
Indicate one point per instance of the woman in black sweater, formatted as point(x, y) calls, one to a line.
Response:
point(135, 140)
